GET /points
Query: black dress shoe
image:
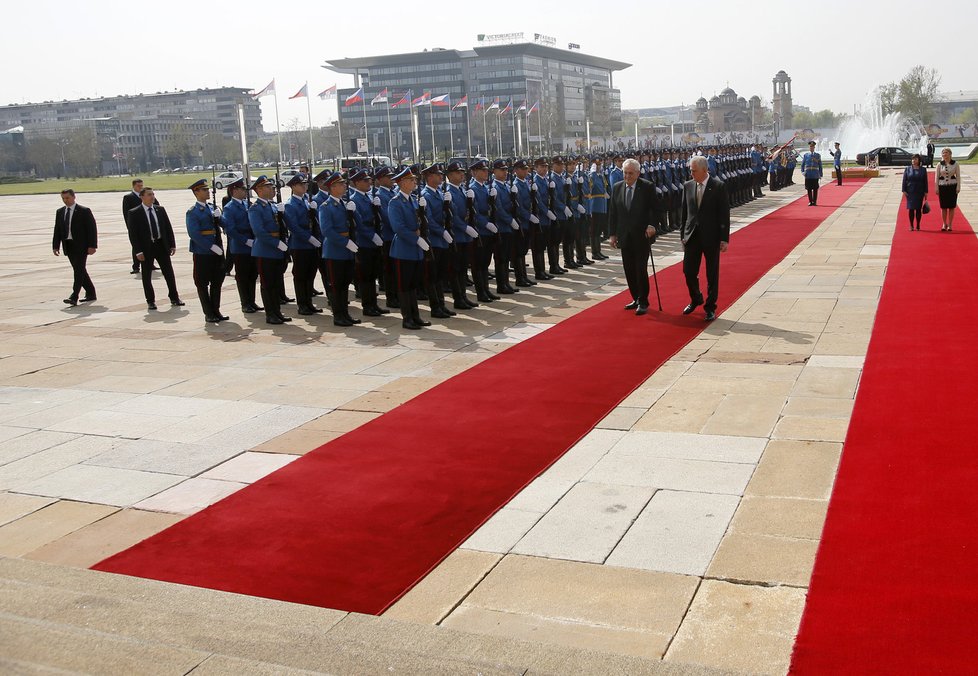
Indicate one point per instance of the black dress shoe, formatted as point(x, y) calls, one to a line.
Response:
point(523, 284)
point(134, 272)
point(543, 276)
point(557, 271)
point(223, 318)
point(421, 322)
point(91, 299)
point(352, 320)
point(371, 312)
point(438, 313)
point(151, 305)
point(273, 320)
point(177, 302)
point(341, 321)
point(492, 295)
point(689, 308)
point(449, 312)
point(286, 299)
point(585, 261)
point(710, 316)
point(284, 318)
point(306, 311)
point(155, 269)
point(505, 291)
point(381, 310)
point(70, 300)
point(212, 319)
point(571, 265)
point(250, 309)
point(317, 292)
point(632, 306)
point(642, 309)
point(410, 325)
point(458, 305)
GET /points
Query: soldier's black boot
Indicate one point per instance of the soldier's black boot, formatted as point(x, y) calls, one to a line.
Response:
point(407, 311)
point(416, 312)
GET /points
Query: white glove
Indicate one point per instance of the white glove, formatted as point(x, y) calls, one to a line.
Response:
point(282, 246)
point(216, 249)
point(216, 211)
point(567, 212)
point(423, 244)
point(567, 180)
point(352, 246)
point(580, 180)
point(350, 206)
point(422, 202)
point(492, 191)
point(312, 205)
point(377, 240)
point(533, 187)
point(534, 219)
point(250, 242)
point(471, 232)
point(551, 215)
point(315, 242)
point(280, 207)
point(552, 184)
point(491, 227)
point(581, 210)
point(375, 201)
point(446, 236)
point(514, 224)
point(470, 194)
point(513, 189)
point(446, 196)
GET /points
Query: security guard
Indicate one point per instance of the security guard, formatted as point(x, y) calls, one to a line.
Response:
point(407, 249)
point(505, 219)
point(811, 167)
point(268, 248)
point(438, 273)
point(303, 244)
point(203, 227)
point(337, 223)
point(466, 237)
point(234, 218)
point(480, 195)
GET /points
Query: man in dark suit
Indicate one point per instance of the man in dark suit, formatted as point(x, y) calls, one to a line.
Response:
point(151, 235)
point(76, 233)
point(130, 200)
point(705, 234)
point(633, 209)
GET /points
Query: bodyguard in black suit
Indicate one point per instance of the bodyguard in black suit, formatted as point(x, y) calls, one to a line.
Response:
point(634, 208)
point(76, 233)
point(705, 234)
point(151, 235)
point(130, 200)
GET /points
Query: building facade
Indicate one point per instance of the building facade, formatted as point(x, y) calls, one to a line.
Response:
point(573, 92)
point(145, 131)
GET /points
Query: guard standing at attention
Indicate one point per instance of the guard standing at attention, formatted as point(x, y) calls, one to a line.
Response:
point(203, 227)
point(437, 274)
point(837, 162)
point(600, 192)
point(303, 244)
point(339, 230)
point(268, 248)
point(407, 249)
point(811, 168)
point(234, 218)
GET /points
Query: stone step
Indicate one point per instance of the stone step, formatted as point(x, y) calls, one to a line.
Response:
point(54, 618)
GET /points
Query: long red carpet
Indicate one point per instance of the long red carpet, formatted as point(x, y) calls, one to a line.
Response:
point(895, 584)
point(357, 522)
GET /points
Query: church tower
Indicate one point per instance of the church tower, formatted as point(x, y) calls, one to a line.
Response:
point(781, 100)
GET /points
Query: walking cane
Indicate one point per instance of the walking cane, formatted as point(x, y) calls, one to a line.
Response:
point(654, 278)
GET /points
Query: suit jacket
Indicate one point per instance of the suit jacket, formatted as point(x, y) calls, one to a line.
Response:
point(629, 224)
point(129, 200)
point(711, 220)
point(139, 232)
point(83, 229)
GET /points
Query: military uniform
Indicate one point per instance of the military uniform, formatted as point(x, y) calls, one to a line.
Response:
point(337, 223)
point(811, 167)
point(505, 220)
point(203, 227)
point(466, 238)
point(269, 253)
point(523, 210)
point(545, 189)
point(479, 193)
point(598, 194)
point(303, 246)
point(408, 251)
point(439, 217)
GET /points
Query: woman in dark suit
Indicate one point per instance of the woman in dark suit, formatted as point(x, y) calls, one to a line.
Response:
point(915, 189)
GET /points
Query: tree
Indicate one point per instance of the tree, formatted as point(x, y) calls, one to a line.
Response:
point(888, 97)
point(178, 145)
point(802, 119)
point(967, 116)
point(82, 152)
point(44, 155)
point(918, 91)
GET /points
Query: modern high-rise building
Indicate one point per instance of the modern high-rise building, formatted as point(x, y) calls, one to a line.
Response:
point(573, 92)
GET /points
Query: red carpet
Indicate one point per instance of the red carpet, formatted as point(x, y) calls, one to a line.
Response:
point(894, 589)
point(357, 522)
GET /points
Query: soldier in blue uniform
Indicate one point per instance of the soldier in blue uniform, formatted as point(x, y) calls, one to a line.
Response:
point(506, 223)
point(479, 193)
point(757, 169)
point(523, 208)
point(811, 167)
point(578, 206)
point(268, 248)
point(466, 237)
point(380, 196)
point(234, 218)
point(559, 229)
point(791, 161)
point(598, 195)
point(203, 227)
point(303, 244)
point(438, 273)
point(540, 240)
point(407, 249)
point(369, 263)
point(837, 161)
point(615, 173)
point(337, 223)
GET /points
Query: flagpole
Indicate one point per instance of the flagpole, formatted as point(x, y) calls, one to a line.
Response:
point(468, 133)
point(312, 151)
point(485, 134)
point(390, 134)
point(451, 130)
point(518, 132)
point(278, 129)
point(499, 135)
point(431, 120)
point(415, 141)
point(515, 143)
point(366, 134)
point(339, 132)
point(540, 128)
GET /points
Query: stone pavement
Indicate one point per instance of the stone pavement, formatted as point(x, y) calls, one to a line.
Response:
point(677, 537)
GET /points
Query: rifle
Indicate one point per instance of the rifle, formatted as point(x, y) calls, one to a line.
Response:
point(447, 213)
point(470, 214)
point(283, 230)
point(423, 229)
point(376, 211)
point(514, 202)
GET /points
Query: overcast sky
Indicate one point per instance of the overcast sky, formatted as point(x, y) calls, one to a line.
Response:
point(835, 51)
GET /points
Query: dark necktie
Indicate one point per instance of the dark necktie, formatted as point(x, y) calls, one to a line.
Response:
point(628, 197)
point(154, 228)
point(67, 222)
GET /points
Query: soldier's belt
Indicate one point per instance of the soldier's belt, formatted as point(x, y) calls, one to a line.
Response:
point(207, 232)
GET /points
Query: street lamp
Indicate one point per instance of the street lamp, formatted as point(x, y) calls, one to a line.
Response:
point(64, 165)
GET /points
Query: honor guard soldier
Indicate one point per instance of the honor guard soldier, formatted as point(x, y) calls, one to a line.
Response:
point(837, 159)
point(438, 273)
point(303, 244)
point(811, 167)
point(479, 193)
point(757, 169)
point(381, 197)
point(407, 249)
point(791, 162)
point(580, 220)
point(338, 225)
point(234, 218)
point(540, 241)
point(598, 195)
point(505, 220)
point(524, 210)
point(466, 237)
point(369, 264)
point(774, 172)
point(559, 227)
point(203, 227)
point(615, 173)
point(268, 249)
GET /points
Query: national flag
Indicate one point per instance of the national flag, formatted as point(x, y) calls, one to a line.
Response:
point(481, 104)
point(270, 89)
point(494, 106)
point(328, 93)
point(404, 100)
point(301, 93)
point(423, 100)
point(534, 108)
point(462, 103)
point(380, 98)
point(355, 97)
point(509, 107)
point(442, 100)
point(522, 107)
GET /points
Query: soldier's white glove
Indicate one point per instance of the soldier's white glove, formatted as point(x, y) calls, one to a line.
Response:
point(470, 194)
point(533, 187)
point(315, 242)
point(471, 232)
point(446, 236)
point(216, 211)
point(580, 180)
point(567, 180)
point(422, 202)
point(375, 201)
point(216, 249)
point(446, 196)
point(491, 227)
point(423, 244)
point(352, 246)
point(514, 224)
point(350, 206)
point(282, 246)
point(567, 212)
point(312, 205)
point(534, 219)
point(250, 242)
point(552, 184)
point(551, 215)
point(280, 207)
point(492, 191)
point(377, 240)
point(513, 189)
point(581, 210)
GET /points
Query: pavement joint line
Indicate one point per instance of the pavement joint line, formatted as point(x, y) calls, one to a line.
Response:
point(682, 621)
point(631, 523)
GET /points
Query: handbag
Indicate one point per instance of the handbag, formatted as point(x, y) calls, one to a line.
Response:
point(926, 208)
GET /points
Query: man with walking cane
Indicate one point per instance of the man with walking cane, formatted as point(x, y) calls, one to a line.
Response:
point(633, 210)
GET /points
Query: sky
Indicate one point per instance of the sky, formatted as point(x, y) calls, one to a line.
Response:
point(835, 51)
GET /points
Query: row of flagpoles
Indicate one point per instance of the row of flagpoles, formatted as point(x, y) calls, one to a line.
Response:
point(408, 99)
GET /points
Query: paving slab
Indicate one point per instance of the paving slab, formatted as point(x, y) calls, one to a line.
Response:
point(697, 476)
point(249, 467)
point(502, 530)
point(167, 457)
point(190, 496)
point(100, 485)
point(13, 506)
point(796, 469)
point(47, 525)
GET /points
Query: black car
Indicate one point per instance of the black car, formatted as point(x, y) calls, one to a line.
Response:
point(889, 156)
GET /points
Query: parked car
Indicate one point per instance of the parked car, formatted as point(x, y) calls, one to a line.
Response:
point(887, 156)
point(226, 178)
